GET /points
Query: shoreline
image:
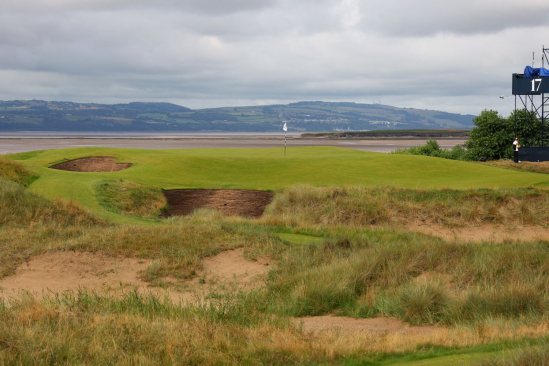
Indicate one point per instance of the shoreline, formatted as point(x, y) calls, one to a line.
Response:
point(14, 144)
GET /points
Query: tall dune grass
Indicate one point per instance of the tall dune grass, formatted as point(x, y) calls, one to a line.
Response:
point(359, 206)
point(420, 280)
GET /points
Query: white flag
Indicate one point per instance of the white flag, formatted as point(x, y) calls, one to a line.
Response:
point(285, 128)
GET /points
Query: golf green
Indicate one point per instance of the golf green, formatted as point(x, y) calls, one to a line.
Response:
point(263, 169)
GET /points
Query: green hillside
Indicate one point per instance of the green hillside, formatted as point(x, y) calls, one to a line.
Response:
point(37, 115)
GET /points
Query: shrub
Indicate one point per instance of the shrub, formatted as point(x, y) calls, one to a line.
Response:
point(432, 148)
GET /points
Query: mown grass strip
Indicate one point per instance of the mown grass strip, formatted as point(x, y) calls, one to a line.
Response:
point(437, 355)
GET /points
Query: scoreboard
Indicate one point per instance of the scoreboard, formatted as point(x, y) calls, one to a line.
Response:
point(530, 86)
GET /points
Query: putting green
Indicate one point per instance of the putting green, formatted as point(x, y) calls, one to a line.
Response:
point(264, 169)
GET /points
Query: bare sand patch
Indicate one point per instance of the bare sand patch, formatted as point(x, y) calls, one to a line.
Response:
point(92, 164)
point(70, 271)
point(488, 233)
point(230, 201)
point(313, 324)
point(58, 272)
point(228, 271)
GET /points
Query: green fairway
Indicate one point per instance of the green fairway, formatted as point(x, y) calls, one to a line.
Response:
point(264, 169)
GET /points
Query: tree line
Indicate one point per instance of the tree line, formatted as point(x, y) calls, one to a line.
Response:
point(491, 138)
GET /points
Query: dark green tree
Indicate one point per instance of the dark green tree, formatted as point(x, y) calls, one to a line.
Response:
point(492, 138)
point(529, 127)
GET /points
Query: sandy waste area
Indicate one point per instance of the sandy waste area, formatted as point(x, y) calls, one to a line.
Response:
point(58, 272)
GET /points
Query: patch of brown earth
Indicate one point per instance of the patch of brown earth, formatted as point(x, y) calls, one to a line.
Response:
point(58, 272)
point(489, 233)
point(92, 164)
point(229, 201)
point(312, 324)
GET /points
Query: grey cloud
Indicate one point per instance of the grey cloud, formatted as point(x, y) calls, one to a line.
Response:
point(202, 54)
point(214, 7)
point(429, 17)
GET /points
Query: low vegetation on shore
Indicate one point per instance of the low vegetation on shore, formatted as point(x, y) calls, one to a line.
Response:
point(354, 257)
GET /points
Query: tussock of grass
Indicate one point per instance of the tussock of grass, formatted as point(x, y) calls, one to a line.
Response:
point(417, 302)
point(19, 208)
point(360, 206)
point(13, 171)
point(130, 198)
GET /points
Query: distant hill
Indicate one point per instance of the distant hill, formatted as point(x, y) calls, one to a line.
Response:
point(39, 115)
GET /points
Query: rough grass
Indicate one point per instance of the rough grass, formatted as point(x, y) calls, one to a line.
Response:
point(88, 328)
point(530, 356)
point(362, 205)
point(420, 280)
point(130, 198)
point(533, 167)
point(23, 209)
point(481, 292)
point(13, 171)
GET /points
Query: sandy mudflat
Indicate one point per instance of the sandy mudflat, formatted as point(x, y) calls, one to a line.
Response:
point(29, 141)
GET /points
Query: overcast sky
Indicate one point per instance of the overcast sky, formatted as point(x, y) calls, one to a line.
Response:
point(455, 56)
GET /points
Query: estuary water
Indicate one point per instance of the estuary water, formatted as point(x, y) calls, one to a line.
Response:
point(15, 142)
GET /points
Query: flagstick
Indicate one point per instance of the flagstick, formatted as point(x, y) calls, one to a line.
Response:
point(285, 128)
point(284, 143)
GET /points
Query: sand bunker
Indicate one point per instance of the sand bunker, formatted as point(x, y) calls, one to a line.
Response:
point(92, 164)
point(58, 272)
point(71, 271)
point(346, 324)
point(229, 201)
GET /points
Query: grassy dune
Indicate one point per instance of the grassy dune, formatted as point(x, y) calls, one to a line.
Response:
point(337, 249)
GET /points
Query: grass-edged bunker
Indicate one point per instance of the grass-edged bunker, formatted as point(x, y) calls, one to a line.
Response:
point(241, 202)
point(92, 164)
